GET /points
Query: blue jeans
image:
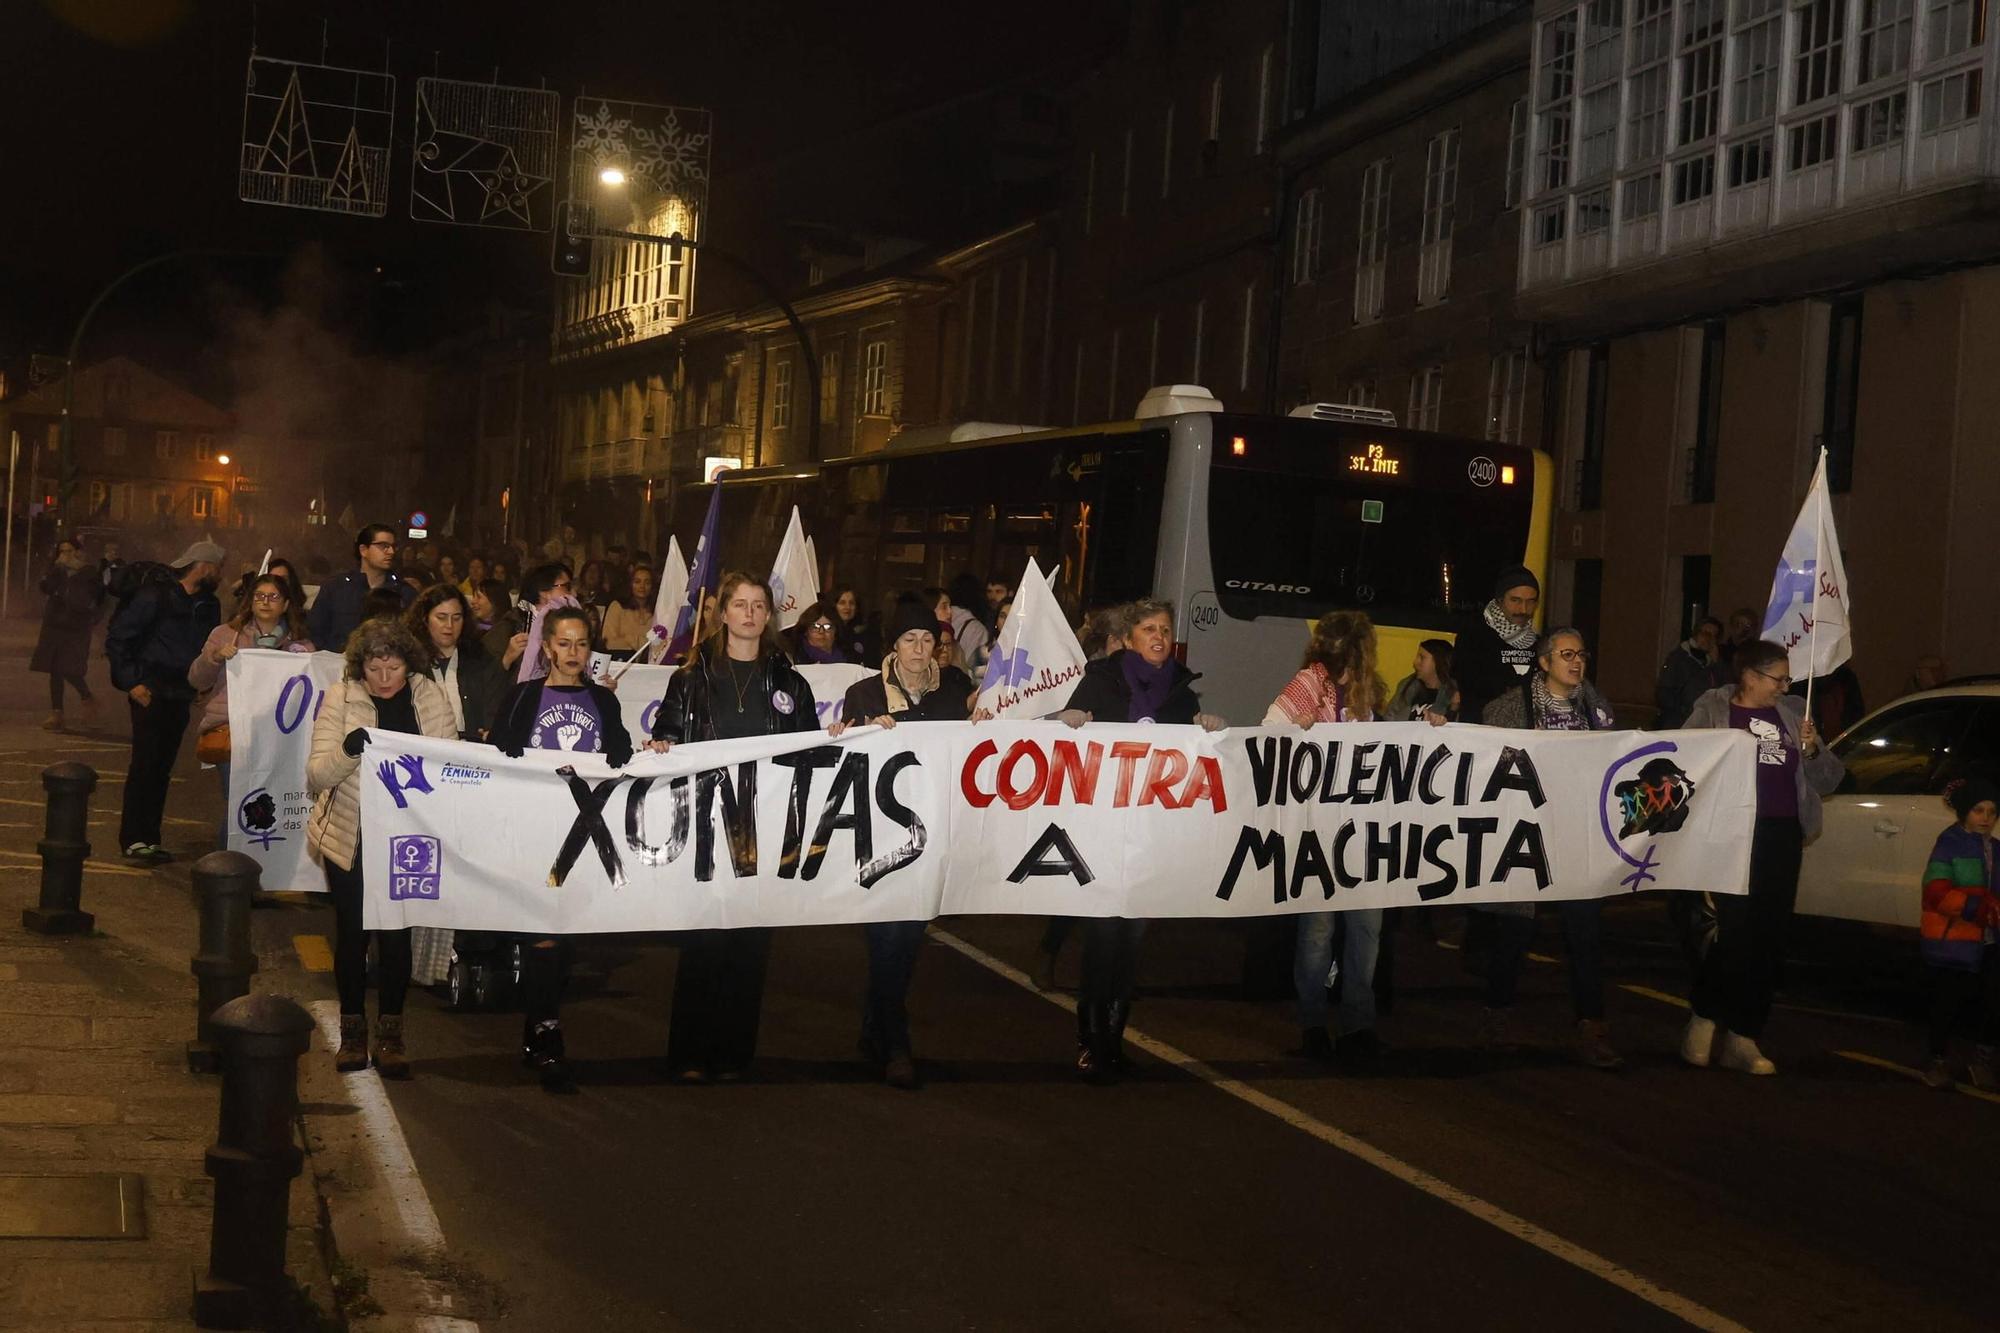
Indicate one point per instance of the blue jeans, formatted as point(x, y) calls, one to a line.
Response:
point(892, 961)
point(1313, 958)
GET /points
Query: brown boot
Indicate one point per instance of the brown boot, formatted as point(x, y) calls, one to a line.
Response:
point(352, 1057)
point(53, 722)
point(390, 1062)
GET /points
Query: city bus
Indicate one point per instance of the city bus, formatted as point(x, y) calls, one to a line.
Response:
point(1250, 526)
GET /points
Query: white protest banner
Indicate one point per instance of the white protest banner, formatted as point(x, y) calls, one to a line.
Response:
point(1807, 613)
point(1135, 821)
point(273, 698)
point(794, 581)
point(1037, 661)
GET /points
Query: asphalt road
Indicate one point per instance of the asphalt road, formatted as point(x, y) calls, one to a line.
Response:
point(1006, 1195)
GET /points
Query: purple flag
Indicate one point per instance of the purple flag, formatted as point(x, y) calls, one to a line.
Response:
point(703, 579)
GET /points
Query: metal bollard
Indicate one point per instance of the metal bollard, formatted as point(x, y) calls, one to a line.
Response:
point(65, 842)
point(224, 885)
point(253, 1162)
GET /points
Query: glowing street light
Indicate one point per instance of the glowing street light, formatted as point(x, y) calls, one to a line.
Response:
point(611, 176)
point(222, 459)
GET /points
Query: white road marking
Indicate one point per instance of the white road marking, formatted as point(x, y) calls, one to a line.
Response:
point(1680, 1307)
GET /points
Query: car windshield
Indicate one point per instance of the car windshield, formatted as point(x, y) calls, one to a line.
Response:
point(1908, 748)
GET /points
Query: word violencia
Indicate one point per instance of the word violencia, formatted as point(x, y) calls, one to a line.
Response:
point(1442, 855)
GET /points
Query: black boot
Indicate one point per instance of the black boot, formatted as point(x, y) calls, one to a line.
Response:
point(542, 1051)
point(1115, 1015)
point(1089, 1027)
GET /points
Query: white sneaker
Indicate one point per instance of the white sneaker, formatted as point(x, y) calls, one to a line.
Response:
point(1741, 1053)
point(1695, 1042)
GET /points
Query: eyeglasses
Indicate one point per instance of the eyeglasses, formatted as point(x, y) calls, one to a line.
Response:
point(383, 546)
point(821, 627)
point(1571, 655)
point(1783, 682)
point(267, 597)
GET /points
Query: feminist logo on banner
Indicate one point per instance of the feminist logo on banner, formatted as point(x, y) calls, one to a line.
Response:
point(1037, 662)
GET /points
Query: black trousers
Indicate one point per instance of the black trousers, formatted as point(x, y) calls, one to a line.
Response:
point(156, 742)
point(1110, 959)
point(1953, 993)
point(76, 683)
point(1740, 973)
point(718, 1000)
point(1582, 925)
point(350, 948)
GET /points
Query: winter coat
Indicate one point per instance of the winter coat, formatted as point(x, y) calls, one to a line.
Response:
point(155, 639)
point(481, 685)
point(513, 620)
point(514, 721)
point(1817, 776)
point(624, 630)
point(208, 675)
point(1486, 667)
point(336, 611)
point(1412, 694)
point(687, 713)
point(1684, 677)
point(63, 646)
point(1961, 901)
point(1105, 694)
point(1516, 708)
point(949, 702)
point(333, 777)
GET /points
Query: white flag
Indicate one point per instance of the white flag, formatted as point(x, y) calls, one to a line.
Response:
point(794, 581)
point(1809, 596)
point(264, 565)
point(1037, 661)
point(812, 557)
point(672, 580)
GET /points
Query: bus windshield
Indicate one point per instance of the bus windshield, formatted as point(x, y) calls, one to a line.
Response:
point(1305, 516)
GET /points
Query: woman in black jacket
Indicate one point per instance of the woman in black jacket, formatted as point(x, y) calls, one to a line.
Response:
point(1140, 682)
point(737, 683)
point(564, 710)
point(910, 687)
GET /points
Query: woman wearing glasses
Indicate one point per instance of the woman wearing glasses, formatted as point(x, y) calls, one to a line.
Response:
point(1732, 991)
point(1553, 697)
point(816, 637)
point(268, 618)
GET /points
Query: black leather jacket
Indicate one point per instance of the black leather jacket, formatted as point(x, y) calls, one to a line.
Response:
point(688, 711)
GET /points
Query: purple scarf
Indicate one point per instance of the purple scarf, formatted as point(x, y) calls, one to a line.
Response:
point(819, 656)
point(1150, 685)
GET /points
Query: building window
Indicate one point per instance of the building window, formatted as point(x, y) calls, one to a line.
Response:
point(1307, 226)
point(1517, 151)
point(167, 444)
point(1843, 390)
point(1750, 161)
point(1952, 26)
point(163, 503)
point(1879, 123)
point(781, 395)
point(1949, 101)
point(1265, 59)
point(204, 447)
point(1701, 71)
point(1089, 190)
point(1812, 142)
point(1426, 397)
point(1885, 39)
point(201, 502)
point(1440, 199)
point(1588, 484)
point(1125, 180)
point(1642, 197)
point(1754, 91)
point(1506, 393)
point(875, 378)
point(1167, 154)
point(1249, 325)
point(1646, 108)
point(815, 273)
point(1362, 393)
point(1597, 139)
point(829, 387)
point(1818, 36)
point(1372, 262)
point(100, 497)
point(1705, 424)
point(1694, 179)
point(1552, 103)
point(1593, 211)
point(114, 441)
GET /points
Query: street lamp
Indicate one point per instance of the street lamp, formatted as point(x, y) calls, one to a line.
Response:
point(611, 176)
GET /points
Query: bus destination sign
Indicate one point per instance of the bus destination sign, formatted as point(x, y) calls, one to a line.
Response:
point(1376, 461)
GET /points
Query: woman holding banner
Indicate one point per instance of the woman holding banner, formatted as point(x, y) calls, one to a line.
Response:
point(564, 710)
point(911, 687)
point(1554, 696)
point(383, 688)
point(268, 618)
point(1140, 682)
point(1733, 990)
point(737, 683)
point(1337, 683)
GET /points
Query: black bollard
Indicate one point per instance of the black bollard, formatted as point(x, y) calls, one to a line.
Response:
point(224, 885)
point(65, 842)
point(253, 1162)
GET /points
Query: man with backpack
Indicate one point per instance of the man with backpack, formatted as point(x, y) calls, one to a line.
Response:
point(154, 637)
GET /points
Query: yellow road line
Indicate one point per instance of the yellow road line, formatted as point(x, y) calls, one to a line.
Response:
point(315, 954)
point(1863, 1058)
point(1652, 994)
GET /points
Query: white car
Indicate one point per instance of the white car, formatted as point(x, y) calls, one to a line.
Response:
point(1868, 864)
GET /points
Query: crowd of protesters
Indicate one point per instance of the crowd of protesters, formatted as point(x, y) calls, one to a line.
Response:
point(434, 649)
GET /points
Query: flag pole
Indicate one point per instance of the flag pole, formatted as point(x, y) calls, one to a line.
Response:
point(1819, 563)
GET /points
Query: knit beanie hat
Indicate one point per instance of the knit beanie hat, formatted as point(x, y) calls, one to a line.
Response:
point(1964, 795)
point(1520, 576)
point(912, 614)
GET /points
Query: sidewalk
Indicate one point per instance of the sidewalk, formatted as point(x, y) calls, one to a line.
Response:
point(93, 1074)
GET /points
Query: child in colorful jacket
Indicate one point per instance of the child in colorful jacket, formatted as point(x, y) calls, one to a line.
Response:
point(1960, 916)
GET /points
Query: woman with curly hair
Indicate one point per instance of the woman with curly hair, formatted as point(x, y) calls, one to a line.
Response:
point(384, 688)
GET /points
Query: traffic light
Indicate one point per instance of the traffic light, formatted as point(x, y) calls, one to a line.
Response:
point(572, 251)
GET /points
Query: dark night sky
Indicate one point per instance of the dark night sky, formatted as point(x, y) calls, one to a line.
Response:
point(122, 119)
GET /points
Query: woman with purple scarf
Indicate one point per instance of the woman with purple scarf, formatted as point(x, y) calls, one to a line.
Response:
point(815, 638)
point(1140, 682)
